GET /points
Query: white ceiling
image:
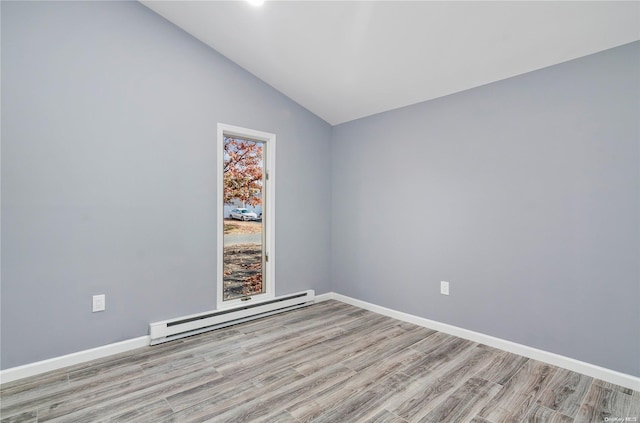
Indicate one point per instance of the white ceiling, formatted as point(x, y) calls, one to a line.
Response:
point(347, 60)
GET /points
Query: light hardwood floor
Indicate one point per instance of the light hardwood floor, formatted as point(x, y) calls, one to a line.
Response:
point(329, 362)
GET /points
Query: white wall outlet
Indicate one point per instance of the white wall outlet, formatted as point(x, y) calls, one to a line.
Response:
point(99, 302)
point(444, 287)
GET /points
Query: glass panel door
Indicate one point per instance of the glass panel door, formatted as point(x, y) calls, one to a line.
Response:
point(244, 219)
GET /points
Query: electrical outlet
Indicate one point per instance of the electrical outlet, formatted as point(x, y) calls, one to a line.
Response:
point(444, 287)
point(99, 303)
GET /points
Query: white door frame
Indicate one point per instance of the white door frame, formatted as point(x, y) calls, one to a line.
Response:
point(268, 209)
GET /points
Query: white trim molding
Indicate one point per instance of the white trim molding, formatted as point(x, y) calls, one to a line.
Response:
point(39, 367)
point(325, 297)
point(268, 208)
point(608, 375)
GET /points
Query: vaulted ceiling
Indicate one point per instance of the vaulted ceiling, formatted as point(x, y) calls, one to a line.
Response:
point(347, 60)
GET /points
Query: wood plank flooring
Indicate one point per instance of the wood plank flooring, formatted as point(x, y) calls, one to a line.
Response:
point(329, 362)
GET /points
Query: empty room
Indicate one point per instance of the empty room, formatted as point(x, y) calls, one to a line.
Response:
point(320, 211)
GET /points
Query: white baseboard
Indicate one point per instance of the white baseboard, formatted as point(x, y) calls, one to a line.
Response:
point(325, 297)
point(612, 376)
point(32, 369)
point(39, 367)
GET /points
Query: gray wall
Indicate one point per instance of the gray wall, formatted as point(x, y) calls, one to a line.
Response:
point(523, 194)
point(109, 119)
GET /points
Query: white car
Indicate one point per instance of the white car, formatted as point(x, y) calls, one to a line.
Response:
point(242, 214)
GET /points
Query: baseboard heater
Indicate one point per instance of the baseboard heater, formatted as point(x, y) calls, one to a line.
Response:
point(168, 330)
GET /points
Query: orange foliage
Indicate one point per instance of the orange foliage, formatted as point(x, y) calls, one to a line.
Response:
point(242, 171)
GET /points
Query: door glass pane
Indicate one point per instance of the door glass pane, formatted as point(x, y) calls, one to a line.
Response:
point(244, 197)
